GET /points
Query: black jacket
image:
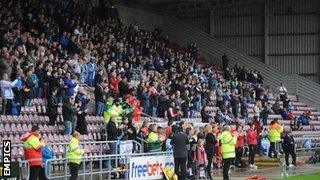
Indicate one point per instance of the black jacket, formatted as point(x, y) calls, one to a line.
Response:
point(210, 146)
point(179, 142)
point(68, 112)
point(288, 143)
point(112, 131)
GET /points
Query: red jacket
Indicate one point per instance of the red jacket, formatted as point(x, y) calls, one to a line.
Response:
point(252, 136)
point(32, 148)
point(240, 141)
point(114, 85)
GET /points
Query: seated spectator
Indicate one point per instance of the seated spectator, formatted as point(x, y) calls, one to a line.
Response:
point(303, 119)
point(295, 124)
point(284, 114)
point(308, 114)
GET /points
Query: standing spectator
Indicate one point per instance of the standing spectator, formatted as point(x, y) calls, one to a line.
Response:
point(180, 151)
point(228, 143)
point(289, 148)
point(92, 69)
point(243, 109)
point(32, 146)
point(239, 147)
point(276, 107)
point(168, 130)
point(70, 84)
point(99, 94)
point(256, 110)
point(145, 100)
point(7, 94)
point(274, 136)
point(225, 61)
point(205, 116)
point(210, 148)
point(53, 105)
point(74, 155)
point(114, 83)
point(234, 103)
point(219, 94)
point(69, 111)
point(112, 135)
point(282, 93)
point(202, 159)
point(82, 100)
point(252, 137)
point(47, 153)
point(264, 114)
point(29, 88)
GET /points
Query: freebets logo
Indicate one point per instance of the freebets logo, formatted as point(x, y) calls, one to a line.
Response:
point(147, 170)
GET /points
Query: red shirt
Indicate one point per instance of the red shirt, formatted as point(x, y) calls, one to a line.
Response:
point(240, 141)
point(169, 131)
point(114, 85)
point(252, 136)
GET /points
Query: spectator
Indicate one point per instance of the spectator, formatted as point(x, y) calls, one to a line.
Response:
point(225, 61)
point(180, 152)
point(53, 105)
point(47, 153)
point(295, 124)
point(74, 155)
point(32, 146)
point(202, 159)
point(69, 111)
point(274, 136)
point(168, 130)
point(82, 100)
point(243, 109)
point(303, 119)
point(99, 93)
point(264, 114)
point(239, 147)
point(7, 94)
point(29, 88)
point(276, 107)
point(228, 143)
point(289, 148)
point(257, 110)
point(205, 116)
point(282, 92)
point(252, 137)
point(114, 83)
point(209, 148)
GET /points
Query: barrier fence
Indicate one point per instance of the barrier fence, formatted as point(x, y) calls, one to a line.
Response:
point(135, 166)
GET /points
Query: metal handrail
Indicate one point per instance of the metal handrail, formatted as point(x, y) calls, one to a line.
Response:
point(100, 170)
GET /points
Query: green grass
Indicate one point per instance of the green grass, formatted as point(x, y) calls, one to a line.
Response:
point(315, 176)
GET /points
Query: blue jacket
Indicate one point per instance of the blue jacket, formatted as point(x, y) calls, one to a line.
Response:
point(70, 84)
point(64, 40)
point(46, 154)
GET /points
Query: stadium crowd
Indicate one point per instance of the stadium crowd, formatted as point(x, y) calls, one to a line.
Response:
point(50, 53)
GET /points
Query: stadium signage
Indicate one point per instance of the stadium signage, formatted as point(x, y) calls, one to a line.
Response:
point(149, 167)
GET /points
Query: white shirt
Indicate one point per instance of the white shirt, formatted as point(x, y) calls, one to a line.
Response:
point(282, 90)
point(6, 88)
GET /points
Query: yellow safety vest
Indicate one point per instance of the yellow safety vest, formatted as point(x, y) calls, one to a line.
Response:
point(74, 153)
point(274, 134)
point(228, 144)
